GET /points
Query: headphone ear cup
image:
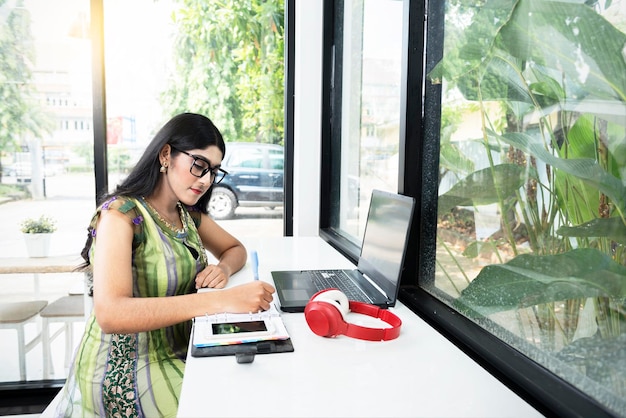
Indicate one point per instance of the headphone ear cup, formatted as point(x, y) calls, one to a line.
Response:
point(323, 318)
point(325, 313)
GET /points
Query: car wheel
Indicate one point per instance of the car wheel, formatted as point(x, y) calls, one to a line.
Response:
point(222, 204)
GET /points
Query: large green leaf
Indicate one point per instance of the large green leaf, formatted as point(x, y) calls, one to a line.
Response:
point(594, 353)
point(465, 56)
point(566, 41)
point(529, 280)
point(451, 158)
point(483, 187)
point(585, 169)
point(582, 45)
point(612, 228)
point(499, 79)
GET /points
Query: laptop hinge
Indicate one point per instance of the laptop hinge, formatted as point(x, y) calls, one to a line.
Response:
point(376, 286)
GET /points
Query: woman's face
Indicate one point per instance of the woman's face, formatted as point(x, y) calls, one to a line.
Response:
point(186, 166)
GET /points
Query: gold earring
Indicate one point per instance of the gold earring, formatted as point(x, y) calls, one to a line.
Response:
point(163, 168)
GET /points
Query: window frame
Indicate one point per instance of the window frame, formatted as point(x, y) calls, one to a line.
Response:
point(32, 396)
point(331, 132)
point(418, 174)
point(290, 76)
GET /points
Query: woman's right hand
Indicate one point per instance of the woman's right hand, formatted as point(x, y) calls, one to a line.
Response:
point(249, 297)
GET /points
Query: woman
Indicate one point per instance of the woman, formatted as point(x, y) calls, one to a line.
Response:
point(146, 251)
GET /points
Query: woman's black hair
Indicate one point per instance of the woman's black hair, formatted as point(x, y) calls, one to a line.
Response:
point(184, 132)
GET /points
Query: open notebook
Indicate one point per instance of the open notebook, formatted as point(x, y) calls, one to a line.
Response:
point(376, 279)
point(229, 328)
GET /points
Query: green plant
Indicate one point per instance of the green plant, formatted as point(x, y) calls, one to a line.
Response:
point(230, 64)
point(14, 190)
point(556, 166)
point(42, 225)
point(556, 170)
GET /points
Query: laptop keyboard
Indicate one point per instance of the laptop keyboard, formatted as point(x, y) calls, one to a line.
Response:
point(324, 279)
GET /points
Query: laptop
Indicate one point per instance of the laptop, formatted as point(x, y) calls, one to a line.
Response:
point(376, 280)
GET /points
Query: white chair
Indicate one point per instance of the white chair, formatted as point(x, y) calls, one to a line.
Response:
point(15, 315)
point(67, 309)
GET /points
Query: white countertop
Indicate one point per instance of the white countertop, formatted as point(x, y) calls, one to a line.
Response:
point(419, 374)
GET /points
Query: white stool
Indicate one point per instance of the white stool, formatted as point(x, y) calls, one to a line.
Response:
point(15, 315)
point(67, 309)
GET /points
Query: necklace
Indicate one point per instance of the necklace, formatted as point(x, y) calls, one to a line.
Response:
point(199, 253)
point(168, 224)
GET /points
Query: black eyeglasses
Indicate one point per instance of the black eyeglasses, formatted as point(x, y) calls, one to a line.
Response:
point(201, 166)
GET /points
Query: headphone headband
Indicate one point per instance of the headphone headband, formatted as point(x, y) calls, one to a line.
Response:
point(374, 334)
point(325, 315)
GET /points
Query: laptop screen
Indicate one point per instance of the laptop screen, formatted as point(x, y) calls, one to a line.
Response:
point(385, 239)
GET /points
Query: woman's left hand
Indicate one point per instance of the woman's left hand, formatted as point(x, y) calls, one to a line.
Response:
point(212, 276)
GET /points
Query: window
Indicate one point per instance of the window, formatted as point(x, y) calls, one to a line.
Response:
point(45, 164)
point(277, 160)
point(246, 158)
point(515, 154)
point(172, 65)
point(368, 69)
point(531, 191)
point(48, 135)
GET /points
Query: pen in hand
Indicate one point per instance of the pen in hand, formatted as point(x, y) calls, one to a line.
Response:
point(255, 264)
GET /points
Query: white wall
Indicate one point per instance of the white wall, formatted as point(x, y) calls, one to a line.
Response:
point(307, 117)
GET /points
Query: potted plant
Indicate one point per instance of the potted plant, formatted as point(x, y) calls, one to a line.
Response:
point(37, 234)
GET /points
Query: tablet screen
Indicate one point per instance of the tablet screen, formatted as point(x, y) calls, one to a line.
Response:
point(238, 327)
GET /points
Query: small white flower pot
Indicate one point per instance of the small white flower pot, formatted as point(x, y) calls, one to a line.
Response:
point(37, 245)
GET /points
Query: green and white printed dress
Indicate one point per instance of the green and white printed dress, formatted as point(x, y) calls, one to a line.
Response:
point(141, 374)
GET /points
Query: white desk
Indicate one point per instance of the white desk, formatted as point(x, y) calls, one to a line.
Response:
point(419, 374)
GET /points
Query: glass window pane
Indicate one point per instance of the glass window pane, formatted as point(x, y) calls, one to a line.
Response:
point(277, 161)
point(246, 157)
point(532, 183)
point(138, 62)
point(372, 66)
point(46, 155)
point(185, 58)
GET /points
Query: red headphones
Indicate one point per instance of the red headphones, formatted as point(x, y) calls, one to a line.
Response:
point(325, 314)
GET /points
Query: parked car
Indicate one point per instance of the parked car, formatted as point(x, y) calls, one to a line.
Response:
point(23, 171)
point(255, 179)
point(20, 170)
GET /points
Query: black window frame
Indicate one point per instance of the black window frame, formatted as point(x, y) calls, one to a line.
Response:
point(418, 174)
